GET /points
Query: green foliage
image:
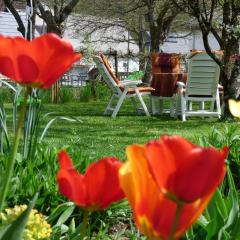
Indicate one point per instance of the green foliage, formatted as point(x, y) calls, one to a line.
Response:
point(4, 134)
point(45, 95)
point(103, 93)
point(221, 219)
point(135, 75)
point(229, 136)
point(86, 93)
point(69, 94)
point(6, 95)
point(94, 90)
point(113, 223)
point(38, 174)
point(31, 127)
point(4, 137)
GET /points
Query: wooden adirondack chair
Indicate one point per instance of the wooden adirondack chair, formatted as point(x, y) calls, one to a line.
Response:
point(121, 89)
point(202, 86)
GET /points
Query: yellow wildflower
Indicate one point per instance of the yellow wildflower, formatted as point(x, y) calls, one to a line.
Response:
point(37, 227)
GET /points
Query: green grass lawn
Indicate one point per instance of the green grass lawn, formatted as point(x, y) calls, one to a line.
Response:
point(97, 135)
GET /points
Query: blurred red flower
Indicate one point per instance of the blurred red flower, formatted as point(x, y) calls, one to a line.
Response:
point(38, 63)
point(94, 190)
point(163, 173)
point(187, 171)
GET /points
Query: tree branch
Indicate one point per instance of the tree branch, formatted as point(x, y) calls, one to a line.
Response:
point(11, 8)
point(68, 9)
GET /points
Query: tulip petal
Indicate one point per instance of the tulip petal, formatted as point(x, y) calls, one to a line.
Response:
point(127, 183)
point(201, 174)
point(139, 166)
point(190, 213)
point(65, 161)
point(234, 107)
point(165, 156)
point(70, 184)
point(28, 69)
point(6, 66)
point(144, 196)
point(102, 183)
point(11, 48)
point(112, 190)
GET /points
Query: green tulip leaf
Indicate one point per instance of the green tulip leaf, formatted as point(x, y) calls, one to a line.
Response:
point(232, 223)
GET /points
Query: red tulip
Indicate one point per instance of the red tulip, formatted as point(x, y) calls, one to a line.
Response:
point(94, 190)
point(152, 200)
point(38, 63)
point(190, 172)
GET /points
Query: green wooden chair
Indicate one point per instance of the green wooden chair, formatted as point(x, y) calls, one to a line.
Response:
point(201, 87)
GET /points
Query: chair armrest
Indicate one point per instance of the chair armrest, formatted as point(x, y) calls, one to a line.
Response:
point(130, 83)
point(181, 85)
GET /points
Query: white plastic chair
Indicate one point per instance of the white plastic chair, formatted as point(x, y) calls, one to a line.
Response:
point(122, 90)
point(202, 86)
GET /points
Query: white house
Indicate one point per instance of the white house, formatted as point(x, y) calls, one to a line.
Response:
point(184, 42)
point(96, 34)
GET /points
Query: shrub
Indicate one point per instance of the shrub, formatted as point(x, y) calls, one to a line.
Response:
point(69, 94)
point(6, 95)
point(45, 96)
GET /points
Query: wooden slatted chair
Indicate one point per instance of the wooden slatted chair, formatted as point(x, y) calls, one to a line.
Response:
point(121, 89)
point(202, 86)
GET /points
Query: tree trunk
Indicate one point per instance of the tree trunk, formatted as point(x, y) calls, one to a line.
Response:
point(155, 39)
point(229, 74)
point(56, 28)
point(148, 71)
point(230, 45)
point(141, 46)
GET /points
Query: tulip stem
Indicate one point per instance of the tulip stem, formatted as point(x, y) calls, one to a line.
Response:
point(84, 224)
point(11, 161)
point(175, 221)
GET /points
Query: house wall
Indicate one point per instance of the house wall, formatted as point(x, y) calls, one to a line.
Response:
point(177, 44)
point(197, 41)
point(8, 25)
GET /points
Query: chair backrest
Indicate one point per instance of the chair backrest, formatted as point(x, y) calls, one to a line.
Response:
point(108, 79)
point(165, 63)
point(203, 76)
